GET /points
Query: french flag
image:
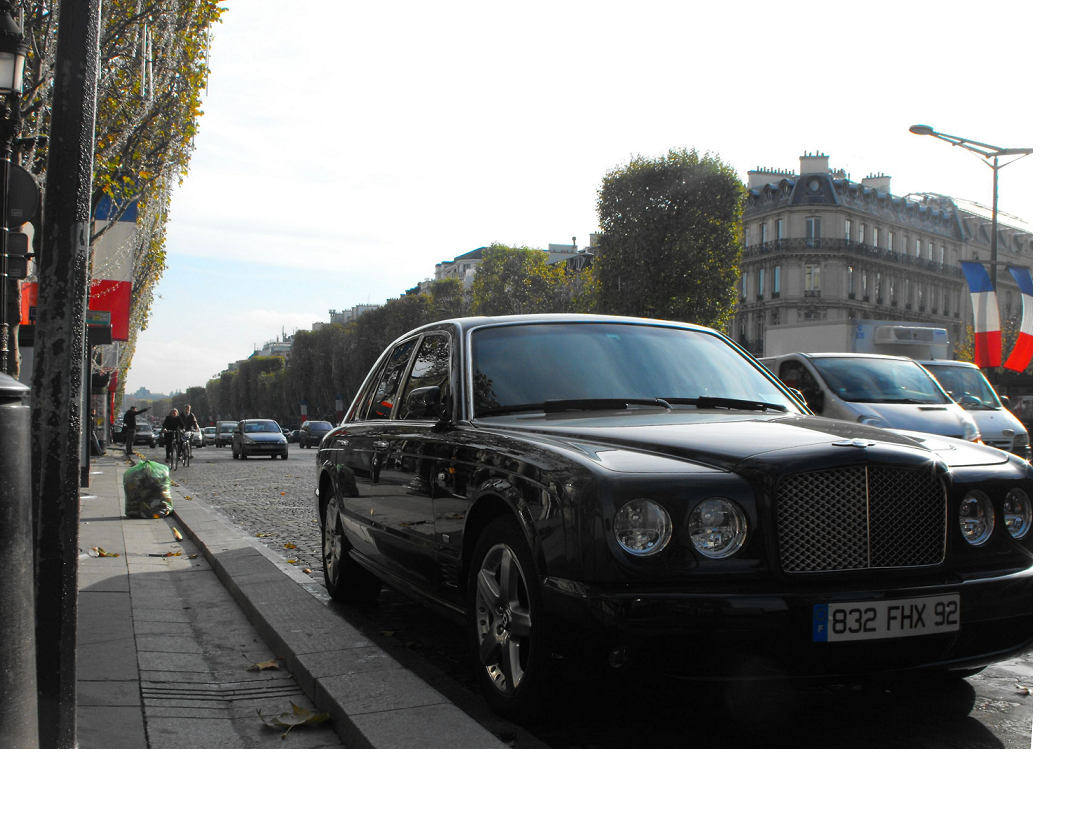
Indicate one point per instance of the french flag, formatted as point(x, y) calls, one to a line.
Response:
point(989, 340)
point(1022, 353)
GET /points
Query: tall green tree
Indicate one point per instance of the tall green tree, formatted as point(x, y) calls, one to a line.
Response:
point(671, 238)
point(517, 281)
point(153, 67)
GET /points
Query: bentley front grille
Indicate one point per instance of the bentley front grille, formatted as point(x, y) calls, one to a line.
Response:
point(860, 518)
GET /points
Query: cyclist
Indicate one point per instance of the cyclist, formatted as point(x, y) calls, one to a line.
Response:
point(173, 427)
point(191, 427)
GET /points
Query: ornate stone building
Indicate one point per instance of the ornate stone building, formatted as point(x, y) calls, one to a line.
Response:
point(822, 248)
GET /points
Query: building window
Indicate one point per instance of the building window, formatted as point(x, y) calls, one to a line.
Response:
point(904, 245)
point(917, 248)
point(745, 288)
point(889, 241)
point(874, 238)
point(813, 278)
point(774, 318)
point(760, 284)
point(745, 236)
point(775, 282)
point(847, 229)
point(930, 250)
point(878, 287)
point(920, 302)
point(851, 282)
point(942, 254)
point(764, 233)
point(813, 230)
point(863, 284)
point(779, 228)
point(946, 300)
point(862, 233)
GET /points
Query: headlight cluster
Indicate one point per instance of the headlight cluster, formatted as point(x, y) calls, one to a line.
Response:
point(976, 515)
point(717, 527)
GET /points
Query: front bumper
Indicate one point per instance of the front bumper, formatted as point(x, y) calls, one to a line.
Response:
point(699, 633)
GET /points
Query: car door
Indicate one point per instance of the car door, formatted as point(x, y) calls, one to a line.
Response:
point(402, 490)
point(359, 455)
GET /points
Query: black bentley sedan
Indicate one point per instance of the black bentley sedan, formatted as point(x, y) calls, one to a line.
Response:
point(637, 492)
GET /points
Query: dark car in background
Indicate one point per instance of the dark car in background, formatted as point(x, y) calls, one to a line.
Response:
point(258, 438)
point(312, 432)
point(145, 434)
point(618, 492)
point(225, 430)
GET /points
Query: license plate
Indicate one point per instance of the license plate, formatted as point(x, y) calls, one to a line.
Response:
point(891, 618)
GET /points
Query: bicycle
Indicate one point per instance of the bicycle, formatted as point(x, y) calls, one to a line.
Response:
point(173, 450)
point(187, 449)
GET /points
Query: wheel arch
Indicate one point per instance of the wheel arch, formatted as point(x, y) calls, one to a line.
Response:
point(490, 505)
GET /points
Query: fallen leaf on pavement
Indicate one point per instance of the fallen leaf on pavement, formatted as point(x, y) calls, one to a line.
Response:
point(292, 561)
point(97, 551)
point(296, 717)
point(1023, 690)
point(290, 546)
point(177, 535)
point(189, 497)
point(272, 663)
point(262, 535)
point(306, 569)
point(172, 553)
point(283, 493)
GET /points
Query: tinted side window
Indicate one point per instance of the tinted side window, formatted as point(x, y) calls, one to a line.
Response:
point(431, 368)
point(797, 376)
point(382, 403)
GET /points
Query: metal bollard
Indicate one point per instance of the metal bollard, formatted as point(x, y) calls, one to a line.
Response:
point(18, 673)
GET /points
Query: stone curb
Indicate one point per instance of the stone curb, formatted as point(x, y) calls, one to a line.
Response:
point(372, 700)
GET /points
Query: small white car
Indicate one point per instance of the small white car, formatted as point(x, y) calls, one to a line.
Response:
point(964, 382)
point(885, 391)
point(208, 436)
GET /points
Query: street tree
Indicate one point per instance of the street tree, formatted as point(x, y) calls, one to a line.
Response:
point(517, 281)
point(153, 67)
point(670, 241)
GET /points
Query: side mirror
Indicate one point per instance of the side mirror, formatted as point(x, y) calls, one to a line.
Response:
point(815, 399)
point(1006, 401)
point(425, 403)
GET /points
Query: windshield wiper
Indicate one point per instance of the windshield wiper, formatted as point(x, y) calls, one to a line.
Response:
point(576, 404)
point(727, 403)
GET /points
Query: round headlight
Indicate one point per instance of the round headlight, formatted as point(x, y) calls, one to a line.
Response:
point(717, 528)
point(642, 527)
point(976, 517)
point(1017, 512)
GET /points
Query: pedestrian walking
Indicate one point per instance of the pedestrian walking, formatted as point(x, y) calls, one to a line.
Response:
point(129, 422)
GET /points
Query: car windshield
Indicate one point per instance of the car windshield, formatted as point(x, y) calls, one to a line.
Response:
point(256, 426)
point(527, 365)
point(878, 380)
point(228, 426)
point(966, 385)
point(320, 426)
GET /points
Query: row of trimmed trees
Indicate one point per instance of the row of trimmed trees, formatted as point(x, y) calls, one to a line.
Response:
point(670, 247)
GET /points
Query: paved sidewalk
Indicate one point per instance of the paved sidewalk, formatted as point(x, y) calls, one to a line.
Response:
point(167, 644)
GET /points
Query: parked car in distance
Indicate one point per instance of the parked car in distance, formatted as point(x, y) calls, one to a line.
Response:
point(966, 384)
point(225, 430)
point(208, 436)
point(312, 432)
point(884, 391)
point(145, 434)
point(254, 438)
point(618, 492)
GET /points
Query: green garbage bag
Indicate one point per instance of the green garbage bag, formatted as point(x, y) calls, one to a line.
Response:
point(147, 490)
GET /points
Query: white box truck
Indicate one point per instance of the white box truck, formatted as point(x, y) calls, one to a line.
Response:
point(917, 341)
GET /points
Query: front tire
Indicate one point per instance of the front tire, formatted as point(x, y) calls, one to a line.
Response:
point(344, 579)
point(511, 655)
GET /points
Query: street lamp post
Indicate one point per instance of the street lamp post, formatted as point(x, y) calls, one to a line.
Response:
point(13, 51)
point(991, 155)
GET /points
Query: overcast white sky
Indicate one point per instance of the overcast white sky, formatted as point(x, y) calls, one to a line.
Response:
point(339, 159)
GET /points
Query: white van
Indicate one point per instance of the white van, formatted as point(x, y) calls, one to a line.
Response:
point(965, 383)
point(876, 390)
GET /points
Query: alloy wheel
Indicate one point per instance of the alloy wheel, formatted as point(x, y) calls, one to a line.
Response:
point(503, 623)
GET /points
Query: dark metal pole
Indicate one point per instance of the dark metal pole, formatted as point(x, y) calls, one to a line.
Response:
point(60, 337)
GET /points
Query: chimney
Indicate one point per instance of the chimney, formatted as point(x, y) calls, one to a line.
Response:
point(813, 163)
point(877, 181)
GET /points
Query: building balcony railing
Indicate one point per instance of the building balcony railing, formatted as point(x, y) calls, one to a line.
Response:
point(842, 245)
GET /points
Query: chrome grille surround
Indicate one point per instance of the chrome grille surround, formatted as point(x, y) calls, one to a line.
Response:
point(861, 518)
